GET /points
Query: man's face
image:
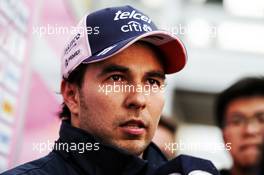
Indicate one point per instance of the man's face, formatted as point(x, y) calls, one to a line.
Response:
point(244, 129)
point(124, 118)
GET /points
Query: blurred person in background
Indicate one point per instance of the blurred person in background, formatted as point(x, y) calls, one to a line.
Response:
point(166, 133)
point(262, 163)
point(106, 130)
point(240, 115)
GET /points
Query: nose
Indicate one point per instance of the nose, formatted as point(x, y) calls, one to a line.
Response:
point(252, 127)
point(135, 100)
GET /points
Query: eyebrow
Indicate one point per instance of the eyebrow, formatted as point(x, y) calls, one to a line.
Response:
point(117, 68)
point(113, 68)
point(158, 74)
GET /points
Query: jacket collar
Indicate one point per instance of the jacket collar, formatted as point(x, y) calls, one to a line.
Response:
point(105, 159)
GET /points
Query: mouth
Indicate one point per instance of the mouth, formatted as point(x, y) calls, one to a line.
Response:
point(253, 147)
point(133, 127)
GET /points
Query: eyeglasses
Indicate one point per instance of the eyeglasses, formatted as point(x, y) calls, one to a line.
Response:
point(238, 120)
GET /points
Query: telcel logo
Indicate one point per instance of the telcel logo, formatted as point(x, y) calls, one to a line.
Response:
point(131, 15)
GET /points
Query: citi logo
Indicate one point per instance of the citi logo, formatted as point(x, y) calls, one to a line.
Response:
point(131, 15)
point(134, 26)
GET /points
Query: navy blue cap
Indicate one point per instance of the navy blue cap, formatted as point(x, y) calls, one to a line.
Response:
point(115, 29)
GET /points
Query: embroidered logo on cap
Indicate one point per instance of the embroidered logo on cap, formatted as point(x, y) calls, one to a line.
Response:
point(131, 15)
point(72, 44)
point(133, 26)
point(77, 52)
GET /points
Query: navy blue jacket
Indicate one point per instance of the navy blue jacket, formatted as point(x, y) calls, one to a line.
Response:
point(101, 159)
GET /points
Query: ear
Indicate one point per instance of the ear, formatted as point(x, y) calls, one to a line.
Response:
point(70, 94)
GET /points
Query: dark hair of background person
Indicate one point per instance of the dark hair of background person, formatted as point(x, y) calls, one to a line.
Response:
point(168, 123)
point(262, 162)
point(245, 87)
point(77, 78)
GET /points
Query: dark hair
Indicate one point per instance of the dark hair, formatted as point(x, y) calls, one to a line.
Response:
point(168, 123)
point(246, 87)
point(77, 78)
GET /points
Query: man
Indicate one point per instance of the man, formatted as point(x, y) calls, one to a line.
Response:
point(240, 115)
point(112, 89)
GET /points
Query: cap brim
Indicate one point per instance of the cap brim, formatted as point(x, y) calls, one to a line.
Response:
point(175, 55)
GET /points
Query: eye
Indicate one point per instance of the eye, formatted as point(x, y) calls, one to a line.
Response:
point(154, 82)
point(116, 77)
point(237, 120)
point(260, 118)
